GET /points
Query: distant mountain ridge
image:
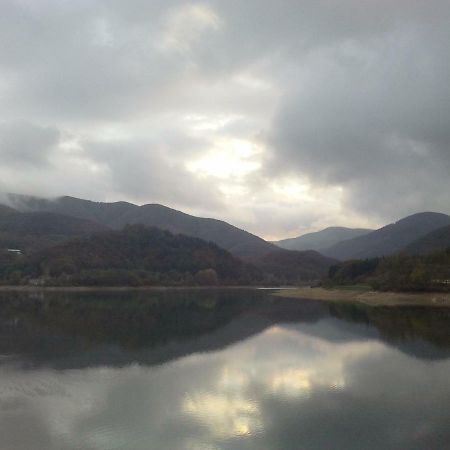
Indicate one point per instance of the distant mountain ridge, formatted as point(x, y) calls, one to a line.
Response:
point(116, 215)
point(390, 239)
point(50, 221)
point(321, 240)
point(435, 241)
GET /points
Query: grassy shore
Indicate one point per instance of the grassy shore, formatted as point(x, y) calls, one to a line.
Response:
point(368, 297)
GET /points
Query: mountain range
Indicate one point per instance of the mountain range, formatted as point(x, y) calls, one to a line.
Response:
point(390, 239)
point(321, 240)
point(116, 215)
point(139, 255)
point(34, 224)
point(95, 222)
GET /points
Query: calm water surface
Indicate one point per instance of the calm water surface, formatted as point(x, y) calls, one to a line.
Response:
point(210, 370)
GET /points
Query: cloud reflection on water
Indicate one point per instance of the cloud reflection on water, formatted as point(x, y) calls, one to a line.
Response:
point(287, 387)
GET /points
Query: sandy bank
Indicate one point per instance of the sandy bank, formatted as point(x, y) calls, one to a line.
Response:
point(373, 298)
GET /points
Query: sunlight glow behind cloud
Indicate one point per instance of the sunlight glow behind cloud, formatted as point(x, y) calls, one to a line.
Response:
point(229, 158)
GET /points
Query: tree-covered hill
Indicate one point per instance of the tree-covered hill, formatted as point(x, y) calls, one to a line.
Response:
point(146, 256)
point(432, 242)
point(293, 267)
point(390, 239)
point(119, 214)
point(399, 272)
point(33, 231)
point(137, 255)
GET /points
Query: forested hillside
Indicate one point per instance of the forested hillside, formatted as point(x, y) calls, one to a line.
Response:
point(33, 231)
point(144, 256)
point(119, 214)
point(397, 273)
point(390, 239)
point(137, 255)
point(287, 267)
point(432, 242)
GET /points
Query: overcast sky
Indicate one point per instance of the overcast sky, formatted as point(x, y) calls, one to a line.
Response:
point(280, 117)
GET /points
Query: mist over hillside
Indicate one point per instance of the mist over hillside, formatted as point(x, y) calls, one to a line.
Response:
point(118, 214)
point(32, 231)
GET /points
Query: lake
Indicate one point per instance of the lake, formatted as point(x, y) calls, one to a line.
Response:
point(220, 369)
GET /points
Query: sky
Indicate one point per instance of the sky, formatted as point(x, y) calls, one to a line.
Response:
point(280, 117)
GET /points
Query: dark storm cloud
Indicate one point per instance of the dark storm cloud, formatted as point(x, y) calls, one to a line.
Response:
point(373, 116)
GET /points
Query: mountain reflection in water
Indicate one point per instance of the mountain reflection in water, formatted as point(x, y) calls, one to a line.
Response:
point(220, 369)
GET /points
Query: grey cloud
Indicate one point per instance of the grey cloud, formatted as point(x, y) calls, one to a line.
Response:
point(103, 61)
point(24, 144)
point(143, 170)
point(375, 120)
point(63, 63)
point(356, 95)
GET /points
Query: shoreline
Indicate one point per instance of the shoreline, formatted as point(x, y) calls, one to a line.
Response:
point(370, 298)
point(351, 295)
point(12, 288)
